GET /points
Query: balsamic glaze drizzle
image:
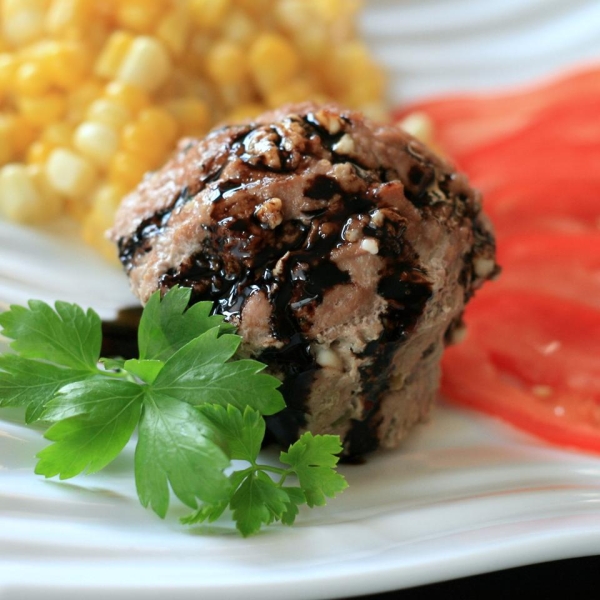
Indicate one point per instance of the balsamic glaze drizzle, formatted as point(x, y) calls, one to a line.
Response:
point(291, 265)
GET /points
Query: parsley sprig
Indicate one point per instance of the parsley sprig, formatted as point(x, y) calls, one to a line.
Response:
point(196, 408)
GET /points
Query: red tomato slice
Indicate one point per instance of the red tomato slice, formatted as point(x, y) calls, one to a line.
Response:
point(540, 339)
point(532, 356)
point(465, 122)
point(556, 202)
point(470, 379)
point(566, 265)
point(490, 170)
point(531, 360)
point(573, 125)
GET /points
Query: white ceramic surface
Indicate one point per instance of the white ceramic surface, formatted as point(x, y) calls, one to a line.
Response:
point(465, 495)
point(443, 46)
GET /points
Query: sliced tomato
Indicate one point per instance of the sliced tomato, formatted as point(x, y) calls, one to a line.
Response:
point(556, 202)
point(490, 170)
point(532, 356)
point(465, 122)
point(566, 265)
point(568, 419)
point(540, 339)
point(531, 360)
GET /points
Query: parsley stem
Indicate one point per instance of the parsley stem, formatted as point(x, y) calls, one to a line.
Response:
point(255, 468)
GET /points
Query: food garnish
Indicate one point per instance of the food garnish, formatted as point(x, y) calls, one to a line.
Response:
point(195, 406)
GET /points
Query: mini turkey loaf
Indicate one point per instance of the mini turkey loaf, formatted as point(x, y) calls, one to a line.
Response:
point(343, 250)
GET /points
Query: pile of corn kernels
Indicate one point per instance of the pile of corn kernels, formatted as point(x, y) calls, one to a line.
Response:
point(94, 93)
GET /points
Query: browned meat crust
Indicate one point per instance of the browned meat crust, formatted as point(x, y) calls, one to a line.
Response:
point(343, 250)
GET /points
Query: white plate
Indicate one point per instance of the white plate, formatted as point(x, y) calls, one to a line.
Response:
point(465, 495)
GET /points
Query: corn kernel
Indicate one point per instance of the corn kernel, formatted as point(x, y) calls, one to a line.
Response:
point(38, 152)
point(12, 7)
point(209, 14)
point(96, 141)
point(96, 34)
point(80, 99)
point(94, 224)
point(22, 22)
point(226, 63)
point(128, 96)
point(192, 62)
point(233, 95)
point(192, 115)
point(108, 112)
point(273, 62)
point(295, 91)
point(67, 64)
point(139, 15)
point(40, 111)
point(108, 197)
point(69, 174)
point(126, 170)
point(244, 111)
point(31, 79)
point(146, 65)
point(52, 202)
point(105, 201)
point(114, 50)
point(313, 43)
point(145, 142)
point(368, 93)
point(239, 28)
point(19, 199)
point(174, 30)
point(63, 15)
point(57, 134)
point(8, 68)
point(160, 121)
point(349, 61)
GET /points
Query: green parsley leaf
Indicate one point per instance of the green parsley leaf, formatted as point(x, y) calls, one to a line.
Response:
point(198, 373)
point(296, 498)
point(243, 432)
point(96, 418)
point(178, 446)
point(65, 335)
point(258, 500)
point(196, 408)
point(168, 324)
point(99, 398)
point(32, 383)
point(208, 513)
point(313, 459)
point(146, 370)
point(211, 512)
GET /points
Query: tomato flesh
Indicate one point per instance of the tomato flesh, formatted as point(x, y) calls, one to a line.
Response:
point(540, 339)
point(532, 354)
point(566, 265)
point(471, 380)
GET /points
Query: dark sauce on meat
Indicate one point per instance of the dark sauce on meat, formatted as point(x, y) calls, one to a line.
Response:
point(290, 264)
point(407, 290)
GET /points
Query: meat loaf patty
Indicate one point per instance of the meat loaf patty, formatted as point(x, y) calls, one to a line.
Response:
point(343, 250)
